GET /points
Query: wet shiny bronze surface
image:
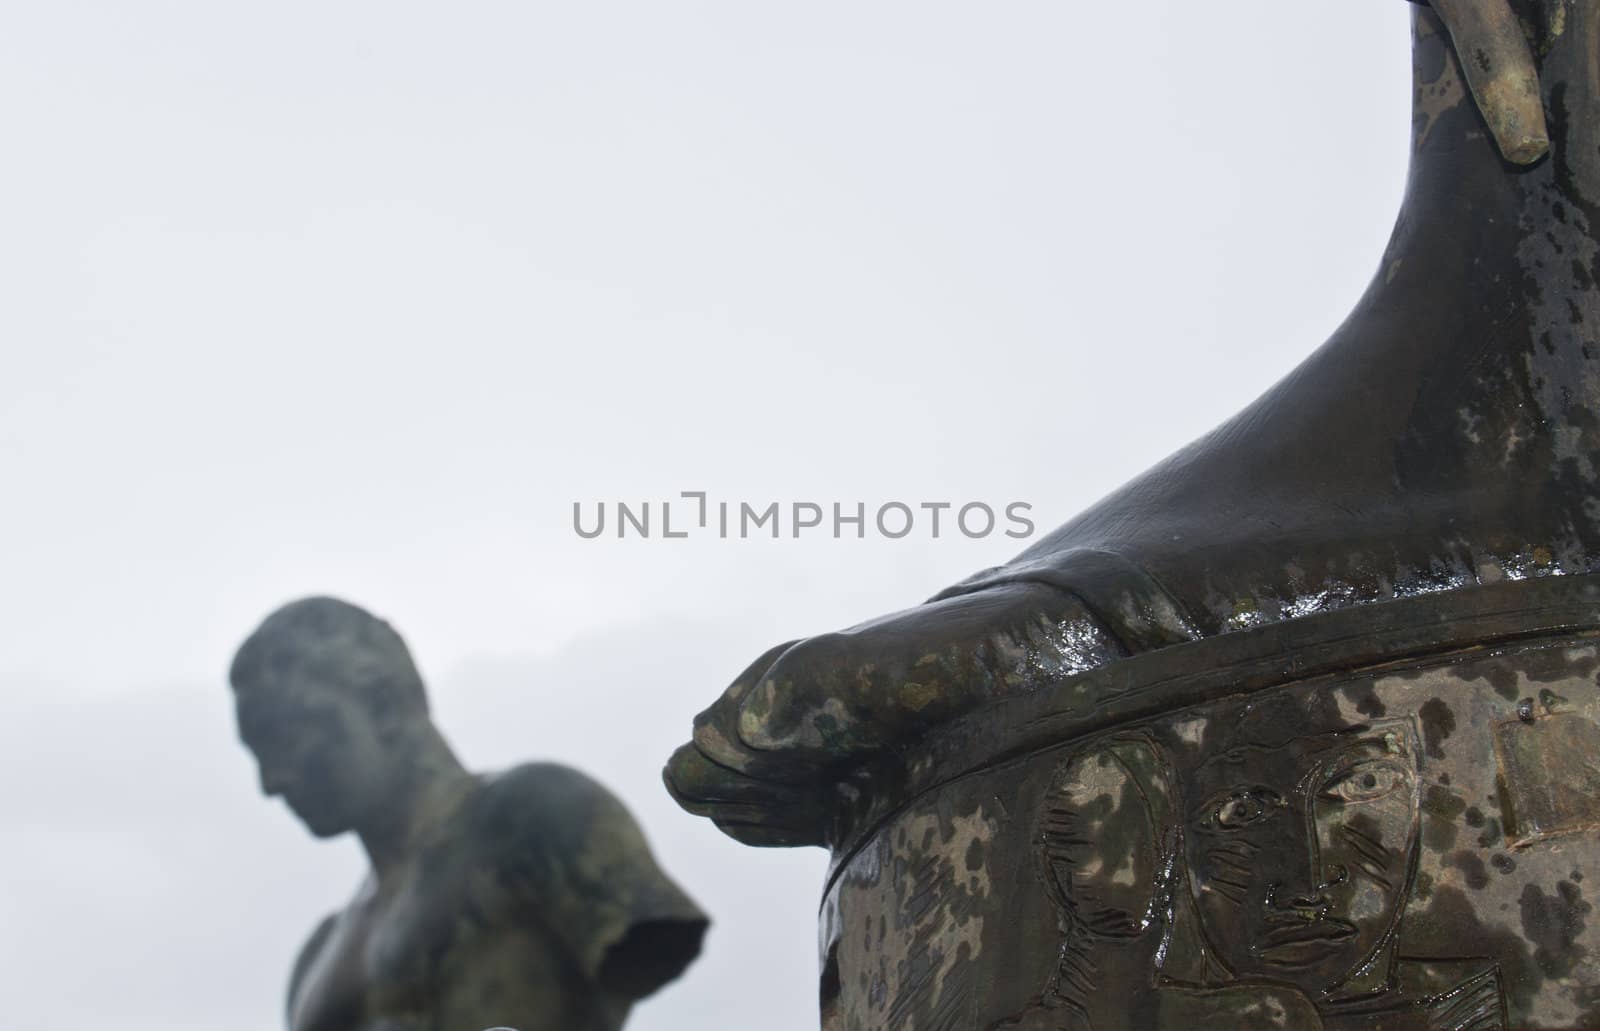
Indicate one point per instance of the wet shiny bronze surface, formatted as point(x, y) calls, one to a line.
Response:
point(1299, 727)
point(1362, 848)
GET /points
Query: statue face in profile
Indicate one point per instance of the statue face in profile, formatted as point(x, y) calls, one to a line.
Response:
point(1299, 853)
point(318, 749)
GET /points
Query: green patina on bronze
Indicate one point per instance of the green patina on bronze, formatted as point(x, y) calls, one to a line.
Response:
point(527, 898)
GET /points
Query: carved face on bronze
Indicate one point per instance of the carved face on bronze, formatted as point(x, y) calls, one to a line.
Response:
point(1300, 852)
point(1102, 832)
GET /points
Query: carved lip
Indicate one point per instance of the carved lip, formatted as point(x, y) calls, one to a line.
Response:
point(1292, 941)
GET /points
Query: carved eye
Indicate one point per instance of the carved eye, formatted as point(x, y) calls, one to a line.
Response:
point(1365, 782)
point(1243, 808)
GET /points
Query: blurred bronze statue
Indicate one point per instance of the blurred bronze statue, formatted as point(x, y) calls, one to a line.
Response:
point(1301, 727)
point(527, 898)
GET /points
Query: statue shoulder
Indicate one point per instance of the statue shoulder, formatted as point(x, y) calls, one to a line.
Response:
point(534, 780)
point(545, 827)
point(566, 853)
point(548, 806)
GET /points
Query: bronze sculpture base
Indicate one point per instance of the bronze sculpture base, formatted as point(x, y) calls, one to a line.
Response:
point(1394, 828)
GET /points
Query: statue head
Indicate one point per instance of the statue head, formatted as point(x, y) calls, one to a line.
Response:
point(326, 696)
point(1300, 837)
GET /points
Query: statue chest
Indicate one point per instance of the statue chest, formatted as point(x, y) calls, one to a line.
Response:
point(427, 951)
point(379, 966)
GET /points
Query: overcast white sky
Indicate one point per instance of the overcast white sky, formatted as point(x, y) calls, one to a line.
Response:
point(359, 298)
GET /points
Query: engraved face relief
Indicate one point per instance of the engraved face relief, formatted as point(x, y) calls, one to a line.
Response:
point(1300, 855)
point(1107, 851)
point(1103, 843)
point(1264, 853)
point(1408, 847)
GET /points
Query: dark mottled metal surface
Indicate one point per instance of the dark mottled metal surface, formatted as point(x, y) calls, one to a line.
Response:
point(1298, 728)
point(1344, 851)
point(1444, 438)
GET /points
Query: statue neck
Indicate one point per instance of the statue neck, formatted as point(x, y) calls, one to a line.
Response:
point(423, 790)
point(1458, 176)
point(1491, 266)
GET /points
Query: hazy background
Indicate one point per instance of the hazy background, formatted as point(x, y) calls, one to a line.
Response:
point(360, 297)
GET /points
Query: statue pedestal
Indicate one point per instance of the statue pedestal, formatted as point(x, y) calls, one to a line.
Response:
point(1384, 816)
